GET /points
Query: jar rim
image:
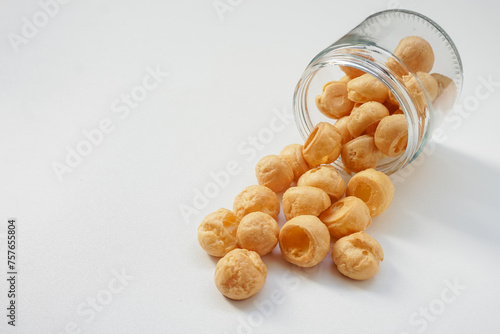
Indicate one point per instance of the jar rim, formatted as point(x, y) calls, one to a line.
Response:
point(348, 55)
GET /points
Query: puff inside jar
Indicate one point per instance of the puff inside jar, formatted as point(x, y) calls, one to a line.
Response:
point(409, 67)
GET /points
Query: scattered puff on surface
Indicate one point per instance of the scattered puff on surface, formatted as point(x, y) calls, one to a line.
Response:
point(217, 232)
point(304, 241)
point(240, 274)
point(258, 232)
point(374, 188)
point(293, 155)
point(304, 200)
point(347, 216)
point(273, 172)
point(357, 256)
point(327, 178)
point(256, 198)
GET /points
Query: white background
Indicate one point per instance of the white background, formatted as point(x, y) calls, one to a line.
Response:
point(119, 209)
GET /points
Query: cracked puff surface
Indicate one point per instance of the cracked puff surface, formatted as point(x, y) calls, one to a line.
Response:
point(258, 232)
point(347, 216)
point(304, 200)
point(357, 256)
point(274, 172)
point(327, 178)
point(217, 232)
point(240, 274)
point(360, 154)
point(256, 198)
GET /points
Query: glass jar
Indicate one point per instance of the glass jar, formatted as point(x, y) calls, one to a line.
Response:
point(369, 47)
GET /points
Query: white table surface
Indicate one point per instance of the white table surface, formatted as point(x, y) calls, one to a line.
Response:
point(117, 213)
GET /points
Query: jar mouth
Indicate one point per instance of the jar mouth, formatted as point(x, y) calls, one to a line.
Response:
point(347, 55)
point(363, 42)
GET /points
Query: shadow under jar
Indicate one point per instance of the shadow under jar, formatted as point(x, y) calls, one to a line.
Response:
point(370, 48)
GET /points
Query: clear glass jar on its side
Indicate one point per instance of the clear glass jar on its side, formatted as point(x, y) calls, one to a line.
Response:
point(369, 47)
